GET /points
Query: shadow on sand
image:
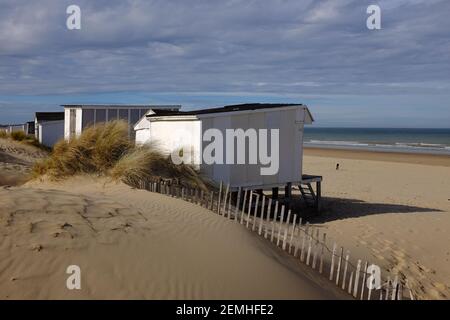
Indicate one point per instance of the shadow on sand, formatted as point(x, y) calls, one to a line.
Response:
point(342, 208)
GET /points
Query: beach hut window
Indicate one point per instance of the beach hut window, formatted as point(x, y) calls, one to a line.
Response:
point(123, 114)
point(100, 115)
point(88, 117)
point(134, 116)
point(143, 112)
point(112, 114)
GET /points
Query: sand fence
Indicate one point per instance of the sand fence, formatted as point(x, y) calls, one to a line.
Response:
point(297, 238)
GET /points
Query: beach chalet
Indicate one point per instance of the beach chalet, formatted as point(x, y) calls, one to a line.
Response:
point(185, 130)
point(49, 127)
point(15, 128)
point(29, 128)
point(80, 116)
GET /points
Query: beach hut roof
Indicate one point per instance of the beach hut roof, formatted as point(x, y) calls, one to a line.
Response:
point(49, 116)
point(119, 106)
point(230, 108)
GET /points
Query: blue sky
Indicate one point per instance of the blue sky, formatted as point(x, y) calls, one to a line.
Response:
point(212, 53)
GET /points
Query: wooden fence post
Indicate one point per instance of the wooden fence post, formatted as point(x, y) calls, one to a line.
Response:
point(269, 209)
point(322, 251)
point(291, 240)
point(338, 271)
point(261, 219)
point(332, 261)
point(310, 240)
point(229, 206)
point(350, 282)
point(225, 200)
point(255, 212)
point(358, 270)
point(316, 249)
point(274, 220)
point(220, 195)
point(297, 240)
point(243, 207)
point(347, 257)
point(280, 225)
point(364, 280)
point(250, 199)
point(305, 234)
point(411, 295)
point(394, 288)
point(388, 284)
point(238, 203)
point(286, 230)
point(211, 199)
point(202, 198)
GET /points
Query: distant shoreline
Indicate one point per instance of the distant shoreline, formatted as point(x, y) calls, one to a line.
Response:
point(378, 155)
point(378, 148)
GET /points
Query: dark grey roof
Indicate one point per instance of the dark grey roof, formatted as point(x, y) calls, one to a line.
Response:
point(230, 108)
point(138, 106)
point(49, 116)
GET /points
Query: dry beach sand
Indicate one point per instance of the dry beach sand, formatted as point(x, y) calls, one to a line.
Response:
point(393, 210)
point(16, 160)
point(133, 244)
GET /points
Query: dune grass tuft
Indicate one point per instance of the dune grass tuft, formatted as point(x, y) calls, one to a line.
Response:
point(18, 135)
point(21, 137)
point(96, 150)
point(148, 163)
point(107, 150)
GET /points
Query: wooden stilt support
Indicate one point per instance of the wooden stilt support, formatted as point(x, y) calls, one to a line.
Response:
point(275, 193)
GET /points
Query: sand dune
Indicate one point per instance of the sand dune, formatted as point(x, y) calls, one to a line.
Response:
point(136, 244)
point(16, 160)
point(395, 214)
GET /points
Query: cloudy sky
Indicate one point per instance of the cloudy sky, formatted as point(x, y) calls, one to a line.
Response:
point(212, 53)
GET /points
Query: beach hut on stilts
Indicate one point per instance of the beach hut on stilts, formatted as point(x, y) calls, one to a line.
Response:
point(262, 145)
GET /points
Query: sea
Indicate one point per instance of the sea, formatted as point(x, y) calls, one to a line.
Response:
point(431, 141)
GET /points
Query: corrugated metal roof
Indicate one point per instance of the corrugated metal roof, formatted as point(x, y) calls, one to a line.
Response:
point(230, 108)
point(138, 106)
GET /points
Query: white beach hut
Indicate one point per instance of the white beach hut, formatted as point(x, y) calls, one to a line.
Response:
point(15, 128)
point(80, 116)
point(173, 131)
point(49, 127)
